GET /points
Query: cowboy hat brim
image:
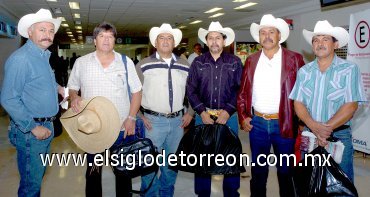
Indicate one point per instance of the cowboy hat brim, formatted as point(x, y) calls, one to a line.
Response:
point(338, 33)
point(155, 31)
point(110, 125)
point(230, 35)
point(26, 21)
point(279, 24)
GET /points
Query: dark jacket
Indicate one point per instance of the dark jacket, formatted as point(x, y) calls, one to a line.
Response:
point(291, 62)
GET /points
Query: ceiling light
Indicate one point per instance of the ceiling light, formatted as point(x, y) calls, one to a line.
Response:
point(195, 22)
point(245, 5)
point(74, 5)
point(216, 15)
point(239, 1)
point(78, 27)
point(52, 0)
point(182, 27)
point(80, 32)
point(61, 18)
point(68, 32)
point(64, 25)
point(213, 10)
point(70, 35)
point(76, 15)
point(57, 11)
point(78, 22)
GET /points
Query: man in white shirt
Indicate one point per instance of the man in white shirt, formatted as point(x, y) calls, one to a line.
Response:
point(103, 73)
point(197, 51)
point(264, 108)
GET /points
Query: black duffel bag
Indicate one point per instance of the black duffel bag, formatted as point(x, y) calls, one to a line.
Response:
point(209, 139)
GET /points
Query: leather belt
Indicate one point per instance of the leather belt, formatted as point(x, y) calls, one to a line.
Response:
point(167, 115)
point(267, 116)
point(341, 128)
point(50, 119)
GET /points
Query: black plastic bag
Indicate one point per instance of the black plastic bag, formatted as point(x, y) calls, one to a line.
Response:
point(207, 140)
point(313, 180)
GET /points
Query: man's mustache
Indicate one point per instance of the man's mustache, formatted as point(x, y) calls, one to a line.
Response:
point(268, 40)
point(320, 48)
point(46, 39)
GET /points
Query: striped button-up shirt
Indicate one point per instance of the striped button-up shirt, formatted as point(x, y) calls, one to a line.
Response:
point(323, 93)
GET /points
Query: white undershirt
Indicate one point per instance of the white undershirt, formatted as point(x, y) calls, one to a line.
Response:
point(266, 84)
point(167, 60)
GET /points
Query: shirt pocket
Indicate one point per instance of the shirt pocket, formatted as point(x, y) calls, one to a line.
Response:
point(336, 92)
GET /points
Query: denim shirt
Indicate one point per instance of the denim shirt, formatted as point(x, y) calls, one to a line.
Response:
point(214, 84)
point(29, 88)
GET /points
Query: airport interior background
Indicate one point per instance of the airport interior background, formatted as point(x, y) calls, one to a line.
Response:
point(133, 20)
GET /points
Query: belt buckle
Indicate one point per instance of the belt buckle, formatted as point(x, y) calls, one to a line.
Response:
point(264, 116)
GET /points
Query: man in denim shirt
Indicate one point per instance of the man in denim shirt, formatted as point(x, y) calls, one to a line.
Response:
point(29, 95)
point(212, 86)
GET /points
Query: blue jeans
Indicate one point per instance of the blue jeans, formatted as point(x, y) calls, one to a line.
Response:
point(345, 136)
point(166, 134)
point(93, 175)
point(31, 169)
point(231, 183)
point(264, 134)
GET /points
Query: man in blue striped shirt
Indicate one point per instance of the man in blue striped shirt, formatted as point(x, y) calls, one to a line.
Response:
point(328, 89)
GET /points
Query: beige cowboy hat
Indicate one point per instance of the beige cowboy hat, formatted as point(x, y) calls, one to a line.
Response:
point(96, 127)
point(325, 28)
point(217, 27)
point(165, 28)
point(43, 15)
point(270, 21)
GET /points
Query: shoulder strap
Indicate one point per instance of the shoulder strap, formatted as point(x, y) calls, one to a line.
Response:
point(124, 59)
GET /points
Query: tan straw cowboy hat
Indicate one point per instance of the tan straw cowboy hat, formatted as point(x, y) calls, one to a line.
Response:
point(270, 21)
point(165, 28)
point(96, 127)
point(217, 27)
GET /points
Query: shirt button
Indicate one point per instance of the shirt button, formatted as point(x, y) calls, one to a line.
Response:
point(216, 66)
point(214, 100)
point(215, 88)
point(216, 77)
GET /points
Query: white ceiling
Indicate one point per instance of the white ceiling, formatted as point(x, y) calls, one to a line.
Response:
point(135, 17)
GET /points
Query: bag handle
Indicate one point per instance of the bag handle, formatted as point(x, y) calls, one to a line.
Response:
point(124, 59)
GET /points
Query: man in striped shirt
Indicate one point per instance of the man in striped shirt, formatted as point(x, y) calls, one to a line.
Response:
point(328, 89)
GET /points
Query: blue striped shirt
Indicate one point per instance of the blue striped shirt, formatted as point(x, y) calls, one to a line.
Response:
point(323, 93)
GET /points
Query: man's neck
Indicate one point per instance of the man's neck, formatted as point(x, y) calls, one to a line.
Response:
point(269, 53)
point(325, 62)
point(104, 54)
point(215, 55)
point(165, 55)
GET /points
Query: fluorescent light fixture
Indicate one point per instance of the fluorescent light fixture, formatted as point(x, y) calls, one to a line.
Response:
point(213, 10)
point(52, 0)
point(76, 15)
point(69, 32)
point(74, 5)
point(78, 22)
point(245, 5)
point(78, 27)
point(239, 1)
point(70, 35)
point(57, 11)
point(195, 22)
point(182, 27)
point(80, 37)
point(216, 15)
point(61, 18)
point(79, 31)
point(64, 25)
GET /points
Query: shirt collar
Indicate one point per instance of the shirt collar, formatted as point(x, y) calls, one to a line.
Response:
point(159, 57)
point(276, 55)
point(334, 63)
point(37, 49)
point(209, 57)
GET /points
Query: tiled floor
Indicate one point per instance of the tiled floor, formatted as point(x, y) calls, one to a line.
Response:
point(69, 181)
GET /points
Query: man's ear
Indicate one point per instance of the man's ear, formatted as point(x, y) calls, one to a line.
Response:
point(336, 45)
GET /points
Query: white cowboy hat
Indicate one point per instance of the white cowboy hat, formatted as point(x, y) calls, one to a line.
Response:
point(165, 28)
point(325, 28)
point(43, 15)
point(270, 21)
point(216, 26)
point(96, 127)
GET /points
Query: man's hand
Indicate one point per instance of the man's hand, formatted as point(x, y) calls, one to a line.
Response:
point(322, 131)
point(147, 123)
point(186, 119)
point(75, 104)
point(223, 117)
point(61, 91)
point(41, 132)
point(246, 125)
point(206, 118)
point(129, 126)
